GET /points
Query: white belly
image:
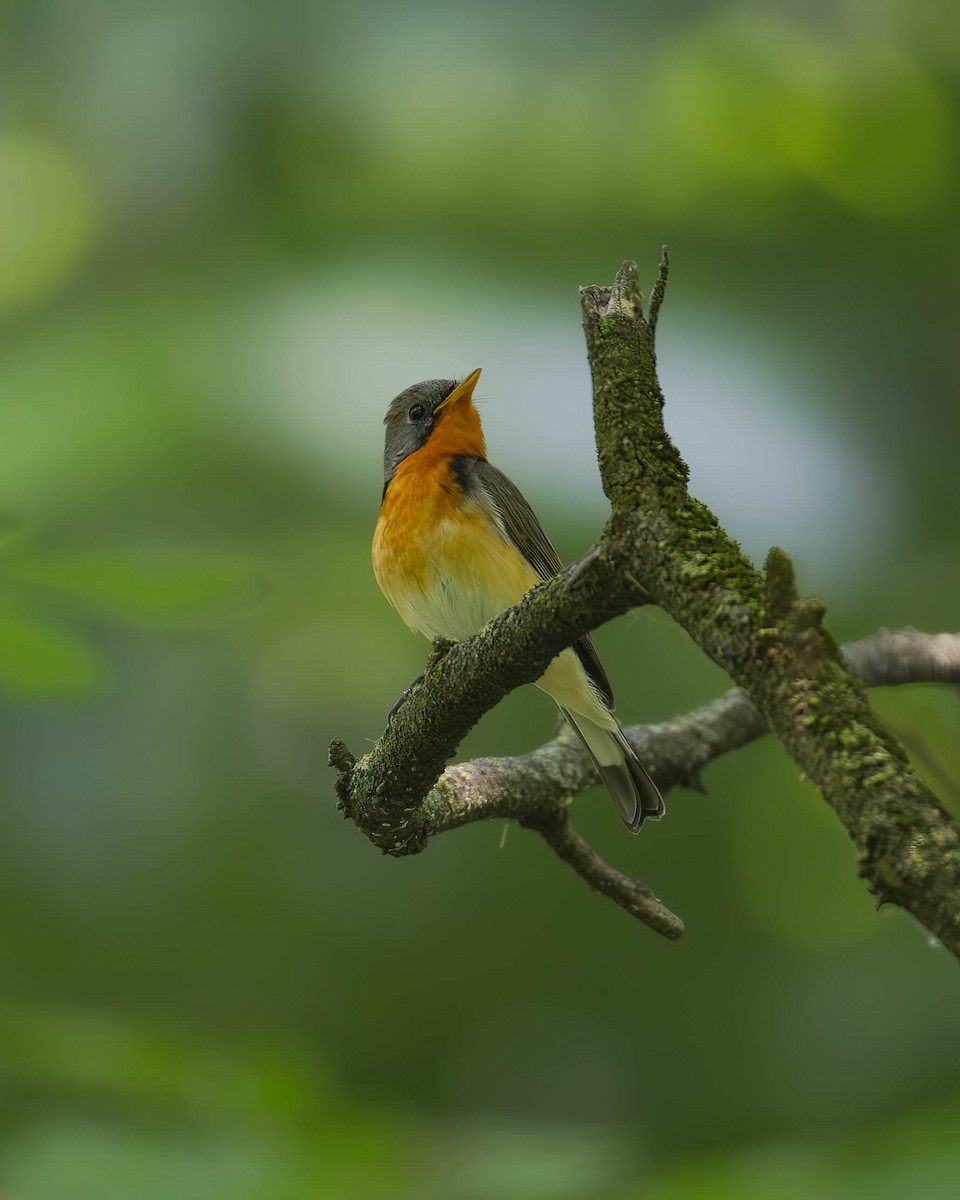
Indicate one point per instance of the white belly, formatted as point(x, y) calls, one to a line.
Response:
point(471, 575)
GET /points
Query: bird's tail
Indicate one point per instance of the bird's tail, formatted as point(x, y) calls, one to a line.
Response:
point(622, 772)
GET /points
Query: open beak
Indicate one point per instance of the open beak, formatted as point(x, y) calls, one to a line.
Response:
point(463, 391)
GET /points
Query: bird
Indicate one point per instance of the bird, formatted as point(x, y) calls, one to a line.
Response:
point(456, 543)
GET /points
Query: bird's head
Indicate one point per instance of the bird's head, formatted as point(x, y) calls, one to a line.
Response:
point(424, 408)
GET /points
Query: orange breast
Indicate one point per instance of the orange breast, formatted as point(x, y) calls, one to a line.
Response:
point(420, 496)
point(439, 556)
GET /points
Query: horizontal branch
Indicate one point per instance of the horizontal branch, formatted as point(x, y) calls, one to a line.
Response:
point(905, 656)
point(536, 786)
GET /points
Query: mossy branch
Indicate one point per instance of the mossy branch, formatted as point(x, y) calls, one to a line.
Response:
point(772, 644)
point(663, 545)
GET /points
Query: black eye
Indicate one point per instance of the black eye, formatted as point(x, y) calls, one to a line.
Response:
point(416, 412)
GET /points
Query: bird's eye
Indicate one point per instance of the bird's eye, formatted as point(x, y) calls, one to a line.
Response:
point(416, 412)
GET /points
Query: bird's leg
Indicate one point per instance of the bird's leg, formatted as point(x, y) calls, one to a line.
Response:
point(404, 694)
point(440, 648)
point(580, 564)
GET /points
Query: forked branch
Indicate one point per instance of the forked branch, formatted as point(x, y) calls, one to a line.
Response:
point(662, 545)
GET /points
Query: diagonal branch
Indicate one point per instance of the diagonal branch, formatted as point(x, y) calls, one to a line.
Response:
point(383, 792)
point(632, 895)
point(769, 640)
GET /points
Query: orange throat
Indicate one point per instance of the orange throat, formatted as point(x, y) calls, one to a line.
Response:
point(420, 497)
point(457, 432)
point(424, 477)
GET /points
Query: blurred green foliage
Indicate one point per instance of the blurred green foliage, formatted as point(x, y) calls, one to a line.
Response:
point(41, 659)
point(230, 233)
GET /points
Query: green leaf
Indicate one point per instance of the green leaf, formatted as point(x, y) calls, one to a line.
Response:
point(42, 660)
point(12, 530)
point(137, 588)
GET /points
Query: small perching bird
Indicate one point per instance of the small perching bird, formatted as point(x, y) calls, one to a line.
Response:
point(456, 543)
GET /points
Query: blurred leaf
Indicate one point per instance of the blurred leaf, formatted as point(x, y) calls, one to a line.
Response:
point(94, 1160)
point(12, 529)
point(916, 1154)
point(42, 660)
point(531, 1162)
point(854, 113)
point(89, 1161)
point(188, 1117)
point(137, 587)
point(48, 215)
point(98, 1055)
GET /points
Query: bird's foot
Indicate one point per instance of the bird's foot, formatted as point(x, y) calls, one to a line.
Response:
point(579, 565)
point(441, 647)
point(403, 697)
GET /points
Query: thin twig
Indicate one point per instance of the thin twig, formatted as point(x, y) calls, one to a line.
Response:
point(659, 291)
point(630, 894)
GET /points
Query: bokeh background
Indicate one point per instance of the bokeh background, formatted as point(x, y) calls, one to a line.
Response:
point(229, 233)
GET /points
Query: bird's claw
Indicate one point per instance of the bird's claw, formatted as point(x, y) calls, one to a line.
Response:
point(403, 697)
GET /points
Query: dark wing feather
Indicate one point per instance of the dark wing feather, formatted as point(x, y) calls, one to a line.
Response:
point(526, 533)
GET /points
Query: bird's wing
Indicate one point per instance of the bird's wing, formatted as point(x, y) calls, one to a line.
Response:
point(524, 530)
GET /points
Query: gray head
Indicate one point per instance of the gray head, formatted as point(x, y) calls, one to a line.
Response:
point(413, 415)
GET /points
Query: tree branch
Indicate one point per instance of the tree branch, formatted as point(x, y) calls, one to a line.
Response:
point(632, 895)
point(542, 781)
point(771, 641)
point(660, 544)
point(905, 656)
